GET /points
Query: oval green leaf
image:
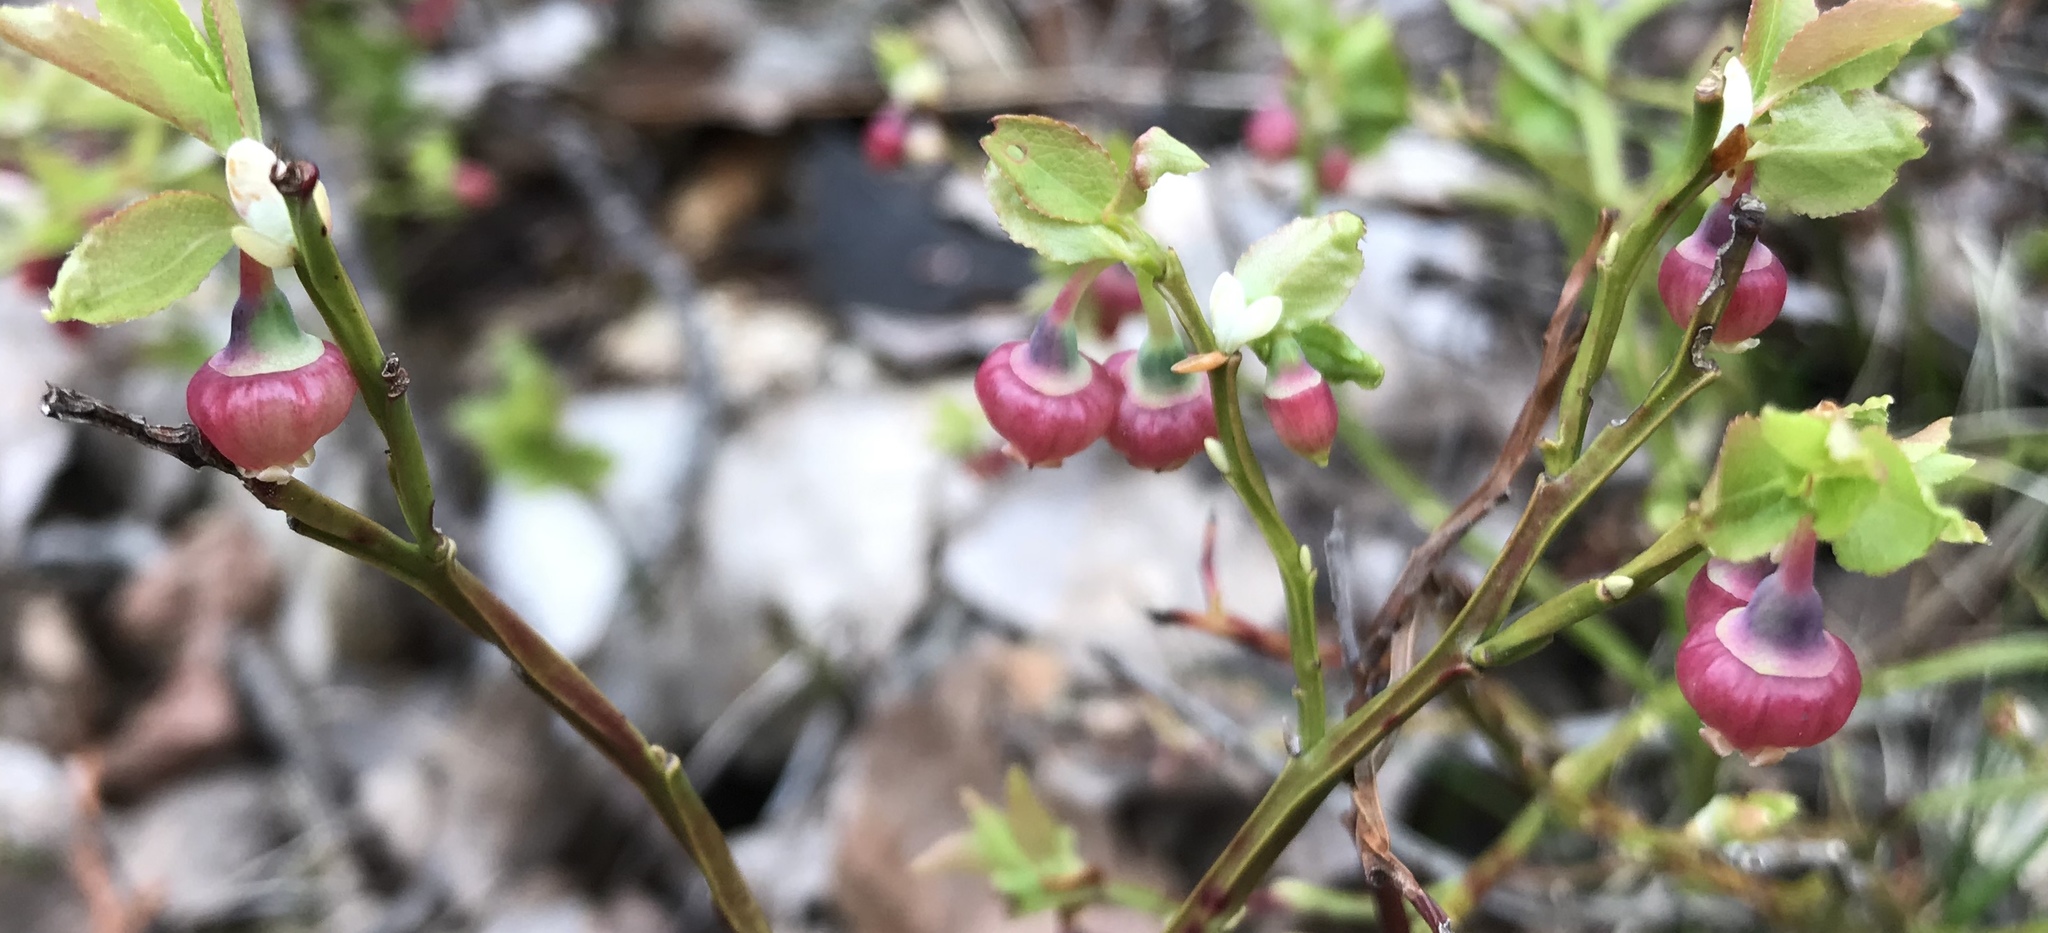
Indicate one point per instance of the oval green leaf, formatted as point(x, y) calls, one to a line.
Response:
point(1310, 264)
point(147, 255)
point(1057, 170)
point(1849, 32)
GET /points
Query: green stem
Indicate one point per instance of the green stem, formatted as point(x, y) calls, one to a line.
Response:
point(2007, 654)
point(1539, 625)
point(334, 294)
point(1597, 637)
point(1618, 278)
point(1158, 318)
point(1248, 479)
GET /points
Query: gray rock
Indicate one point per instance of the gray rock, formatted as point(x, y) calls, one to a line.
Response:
point(32, 447)
point(821, 513)
point(204, 845)
point(1078, 554)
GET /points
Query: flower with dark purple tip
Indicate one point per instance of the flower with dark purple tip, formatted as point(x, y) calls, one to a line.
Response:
point(1765, 677)
point(1683, 278)
point(1046, 399)
point(1723, 585)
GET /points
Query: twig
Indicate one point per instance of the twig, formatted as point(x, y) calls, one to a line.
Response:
point(1215, 619)
point(1560, 346)
point(431, 568)
point(1308, 778)
point(180, 441)
point(733, 728)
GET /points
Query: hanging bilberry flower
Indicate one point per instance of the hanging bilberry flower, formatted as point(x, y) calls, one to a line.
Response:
point(274, 390)
point(1763, 674)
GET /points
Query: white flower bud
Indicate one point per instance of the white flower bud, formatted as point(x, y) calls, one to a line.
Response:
point(1738, 99)
point(259, 202)
point(1238, 323)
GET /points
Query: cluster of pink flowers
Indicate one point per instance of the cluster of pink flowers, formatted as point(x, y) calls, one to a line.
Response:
point(1049, 401)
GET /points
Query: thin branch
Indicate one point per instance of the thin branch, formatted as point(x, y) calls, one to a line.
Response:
point(1560, 345)
point(180, 441)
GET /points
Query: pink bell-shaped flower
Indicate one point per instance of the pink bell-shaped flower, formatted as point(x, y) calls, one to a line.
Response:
point(1046, 399)
point(1763, 674)
point(274, 390)
point(1683, 277)
point(1164, 416)
point(886, 137)
point(1302, 408)
point(1272, 133)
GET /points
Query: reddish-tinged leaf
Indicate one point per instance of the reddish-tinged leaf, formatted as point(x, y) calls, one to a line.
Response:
point(1771, 25)
point(1849, 32)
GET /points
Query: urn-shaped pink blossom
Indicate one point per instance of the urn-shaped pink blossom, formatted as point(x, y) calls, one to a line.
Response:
point(1683, 278)
point(887, 134)
point(274, 390)
point(1272, 133)
point(1763, 674)
point(1046, 399)
point(1163, 416)
point(1302, 409)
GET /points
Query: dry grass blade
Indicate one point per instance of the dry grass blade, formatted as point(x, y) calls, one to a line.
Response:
point(1560, 345)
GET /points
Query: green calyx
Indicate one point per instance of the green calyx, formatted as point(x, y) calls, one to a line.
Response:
point(1153, 379)
point(266, 338)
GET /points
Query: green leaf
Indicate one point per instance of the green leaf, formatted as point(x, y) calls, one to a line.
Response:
point(1526, 57)
point(1332, 353)
point(1311, 264)
point(142, 258)
point(1029, 856)
point(1750, 504)
point(1771, 24)
point(164, 22)
point(959, 428)
point(1850, 32)
point(224, 28)
point(127, 65)
point(1056, 240)
point(1057, 170)
point(907, 70)
point(517, 428)
point(1823, 153)
point(1545, 131)
point(1754, 816)
point(1869, 494)
point(1156, 154)
point(72, 188)
point(1898, 524)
